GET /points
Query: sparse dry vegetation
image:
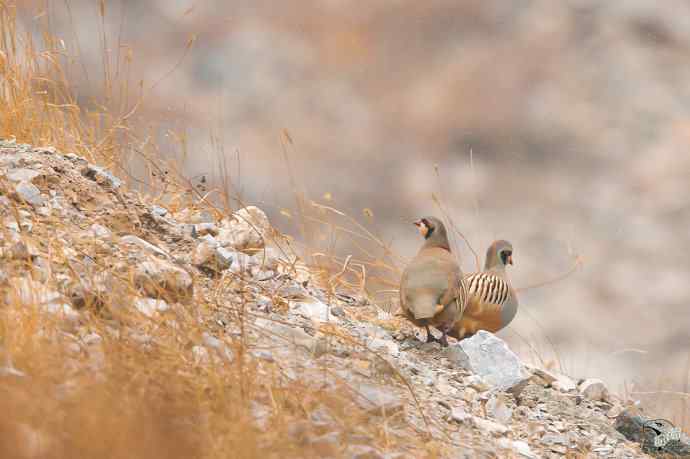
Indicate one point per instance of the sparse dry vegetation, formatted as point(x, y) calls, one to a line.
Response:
point(150, 398)
point(118, 383)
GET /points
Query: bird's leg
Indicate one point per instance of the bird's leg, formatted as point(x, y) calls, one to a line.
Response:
point(429, 337)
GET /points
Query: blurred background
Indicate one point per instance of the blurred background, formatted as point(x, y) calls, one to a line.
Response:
point(563, 127)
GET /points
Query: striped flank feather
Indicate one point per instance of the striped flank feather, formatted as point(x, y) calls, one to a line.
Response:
point(487, 288)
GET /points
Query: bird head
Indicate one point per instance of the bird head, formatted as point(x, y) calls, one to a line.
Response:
point(433, 230)
point(499, 254)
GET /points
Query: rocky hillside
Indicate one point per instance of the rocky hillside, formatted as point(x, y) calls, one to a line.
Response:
point(178, 331)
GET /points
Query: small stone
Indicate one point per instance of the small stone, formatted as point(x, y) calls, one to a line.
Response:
point(314, 310)
point(62, 310)
point(263, 355)
point(378, 400)
point(381, 345)
point(555, 439)
point(206, 255)
point(219, 346)
point(201, 355)
point(28, 192)
point(150, 306)
point(519, 447)
point(92, 339)
point(444, 387)
point(468, 394)
point(489, 357)
point(29, 292)
point(490, 427)
point(285, 333)
point(101, 176)
point(477, 383)
point(159, 211)
point(21, 250)
point(11, 371)
point(22, 175)
point(563, 383)
point(245, 229)
point(498, 408)
point(159, 278)
point(458, 414)
point(594, 389)
point(100, 231)
point(203, 229)
point(363, 452)
point(241, 262)
point(131, 240)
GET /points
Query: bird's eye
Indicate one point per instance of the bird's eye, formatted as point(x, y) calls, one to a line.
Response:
point(508, 253)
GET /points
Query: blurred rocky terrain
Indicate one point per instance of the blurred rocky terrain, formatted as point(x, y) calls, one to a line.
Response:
point(576, 115)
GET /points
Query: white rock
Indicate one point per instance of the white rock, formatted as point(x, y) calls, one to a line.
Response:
point(100, 231)
point(62, 310)
point(487, 426)
point(101, 176)
point(489, 357)
point(158, 278)
point(517, 446)
point(268, 258)
point(207, 255)
point(201, 355)
point(314, 310)
point(385, 345)
point(29, 292)
point(563, 383)
point(22, 175)
point(9, 370)
point(378, 399)
point(159, 211)
point(594, 389)
point(498, 408)
point(219, 346)
point(458, 414)
point(202, 229)
point(150, 306)
point(136, 241)
point(30, 193)
point(245, 229)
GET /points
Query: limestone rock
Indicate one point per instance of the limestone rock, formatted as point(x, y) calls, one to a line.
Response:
point(490, 427)
point(245, 229)
point(489, 357)
point(378, 400)
point(150, 306)
point(101, 176)
point(315, 310)
point(594, 389)
point(28, 192)
point(162, 279)
point(22, 175)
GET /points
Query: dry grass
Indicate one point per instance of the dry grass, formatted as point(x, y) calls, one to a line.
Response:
point(148, 399)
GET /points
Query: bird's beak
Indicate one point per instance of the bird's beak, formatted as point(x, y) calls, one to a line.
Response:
point(417, 223)
point(510, 260)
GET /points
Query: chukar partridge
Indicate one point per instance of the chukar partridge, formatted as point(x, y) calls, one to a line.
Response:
point(432, 290)
point(492, 302)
